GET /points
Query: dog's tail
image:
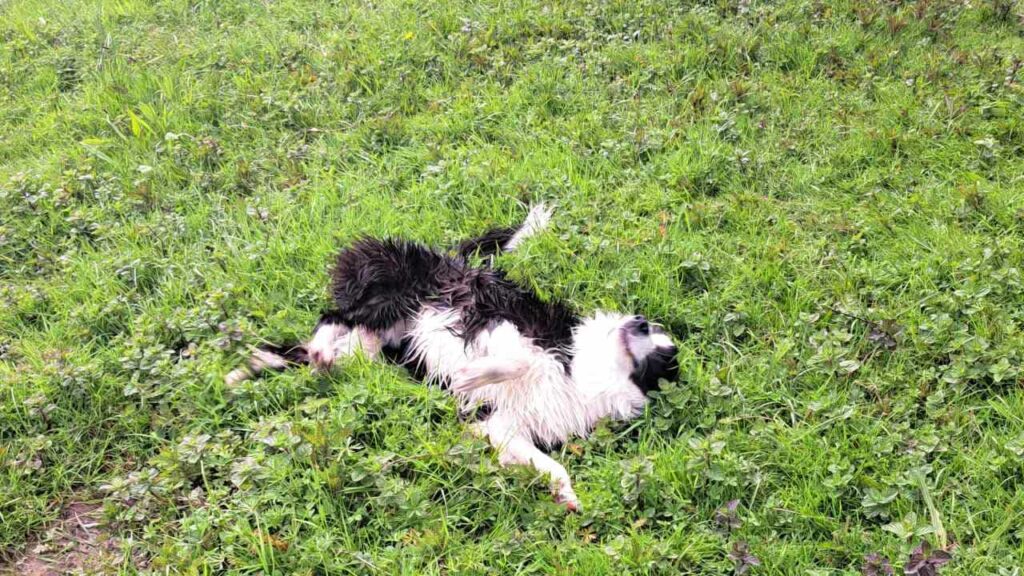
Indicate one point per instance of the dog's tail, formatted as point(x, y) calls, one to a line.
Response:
point(500, 240)
point(269, 357)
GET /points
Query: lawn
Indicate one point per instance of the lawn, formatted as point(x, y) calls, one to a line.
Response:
point(823, 202)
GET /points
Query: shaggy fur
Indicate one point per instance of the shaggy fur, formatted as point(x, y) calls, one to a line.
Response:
point(542, 372)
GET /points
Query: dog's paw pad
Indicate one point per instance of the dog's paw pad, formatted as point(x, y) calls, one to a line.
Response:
point(569, 500)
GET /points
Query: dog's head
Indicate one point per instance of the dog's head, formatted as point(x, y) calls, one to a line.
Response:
point(623, 349)
point(652, 352)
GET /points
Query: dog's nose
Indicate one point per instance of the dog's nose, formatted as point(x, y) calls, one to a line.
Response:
point(640, 324)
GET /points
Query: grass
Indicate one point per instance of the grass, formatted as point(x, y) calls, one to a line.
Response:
point(823, 201)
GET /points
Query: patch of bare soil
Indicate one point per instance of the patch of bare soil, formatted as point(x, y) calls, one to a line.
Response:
point(75, 544)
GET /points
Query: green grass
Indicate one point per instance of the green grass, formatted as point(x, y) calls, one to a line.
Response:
point(823, 201)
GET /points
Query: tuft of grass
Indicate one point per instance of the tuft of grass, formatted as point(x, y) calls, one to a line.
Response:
point(824, 202)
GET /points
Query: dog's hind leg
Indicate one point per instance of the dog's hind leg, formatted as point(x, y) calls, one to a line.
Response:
point(487, 370)
point(331, 338)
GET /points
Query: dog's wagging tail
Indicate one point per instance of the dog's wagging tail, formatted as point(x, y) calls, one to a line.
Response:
point(543, 372)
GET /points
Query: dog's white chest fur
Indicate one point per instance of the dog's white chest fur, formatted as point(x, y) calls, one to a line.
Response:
point(526, 386)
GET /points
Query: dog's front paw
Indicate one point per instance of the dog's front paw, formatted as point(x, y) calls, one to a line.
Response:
point(323, 348)
point(566, 497)
point(562, 490)
point(322, 358)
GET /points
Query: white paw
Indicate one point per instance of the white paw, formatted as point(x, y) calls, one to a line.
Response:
point(477, 430)
point(567, 497)
point(237, 376)
point(322, 358)
point(323, 348)
point(561, 489)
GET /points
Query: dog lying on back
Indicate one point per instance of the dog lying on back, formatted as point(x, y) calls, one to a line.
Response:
point(540, 372)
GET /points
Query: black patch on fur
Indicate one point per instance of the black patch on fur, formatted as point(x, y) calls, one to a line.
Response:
point(329, 317)
point(485, 296)
point(659, 364)
point(490, 243)
point(376, 283)
point(399, 354)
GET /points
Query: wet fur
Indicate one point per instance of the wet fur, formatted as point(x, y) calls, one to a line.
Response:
point(539, 371)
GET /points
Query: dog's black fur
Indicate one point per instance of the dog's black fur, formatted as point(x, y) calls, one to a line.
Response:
point(490, 243)
point(658, 365)
point(377, 283)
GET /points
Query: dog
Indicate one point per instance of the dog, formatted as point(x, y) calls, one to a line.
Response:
point(538, 372)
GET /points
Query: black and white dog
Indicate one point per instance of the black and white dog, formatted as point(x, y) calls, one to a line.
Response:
point(541, 372)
